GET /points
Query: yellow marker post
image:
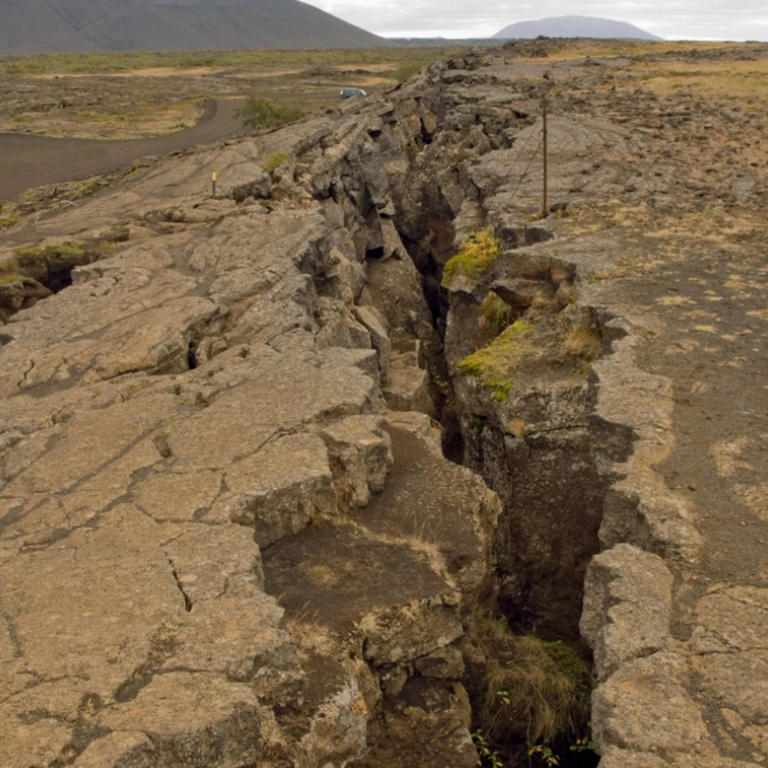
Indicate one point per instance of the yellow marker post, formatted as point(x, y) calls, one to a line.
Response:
point(214, 176)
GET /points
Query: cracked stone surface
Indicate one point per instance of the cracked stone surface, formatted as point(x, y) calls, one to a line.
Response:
point(228, 533)
point(194, 437)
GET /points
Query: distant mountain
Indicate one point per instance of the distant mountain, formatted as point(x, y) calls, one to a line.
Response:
point(575, 26)
point(58, 26)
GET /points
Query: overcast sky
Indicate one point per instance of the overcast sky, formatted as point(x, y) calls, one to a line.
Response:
point(673, 19)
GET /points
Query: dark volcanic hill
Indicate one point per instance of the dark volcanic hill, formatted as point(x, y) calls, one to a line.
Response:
point(47, 26)
point(575, 26)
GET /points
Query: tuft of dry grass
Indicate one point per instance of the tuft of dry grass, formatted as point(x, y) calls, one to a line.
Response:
point(535, 690)
point(584, 342)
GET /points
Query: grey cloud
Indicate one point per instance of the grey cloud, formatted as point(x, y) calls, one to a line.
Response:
point(714, 19)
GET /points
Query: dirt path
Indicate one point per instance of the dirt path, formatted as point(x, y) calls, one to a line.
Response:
point(31, 161)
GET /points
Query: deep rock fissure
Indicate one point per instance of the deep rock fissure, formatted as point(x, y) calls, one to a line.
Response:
point(548, 471)
point(479, 441)
point(535, 442)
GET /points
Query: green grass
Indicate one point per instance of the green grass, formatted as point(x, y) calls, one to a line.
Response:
point(409, 68)
point(89, 187)
point(36, 262)
point(584, 344)
point(44, 262)
point(523, 347)
point(476, 256)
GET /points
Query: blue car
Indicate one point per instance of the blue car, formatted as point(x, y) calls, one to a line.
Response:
point(351, 93)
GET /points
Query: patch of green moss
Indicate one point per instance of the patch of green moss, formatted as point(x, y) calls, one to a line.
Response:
point(497, 313)
point(476, 255)
point(9, 220)
point(72, 249)
point(6, 278)
point(119, 235)
point(273, 162)
point(52, 264)
point(134, 172)
point(494, 365)
point(89, 187)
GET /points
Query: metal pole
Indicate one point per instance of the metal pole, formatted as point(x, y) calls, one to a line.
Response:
point(544, 206)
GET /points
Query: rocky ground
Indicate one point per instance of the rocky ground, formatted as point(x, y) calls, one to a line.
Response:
point(230, 536)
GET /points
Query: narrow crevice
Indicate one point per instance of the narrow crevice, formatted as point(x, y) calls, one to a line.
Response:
point(192, 361)
point(35, 273)
point(187, 601)
point(546, 477)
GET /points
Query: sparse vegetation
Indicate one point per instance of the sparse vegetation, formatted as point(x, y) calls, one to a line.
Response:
point(487, 757)
point(43, 263)
point(262, 114)
point(51, 264)
point(34, 272)
point(476, 255)
point(89, 187)
point(73, 95)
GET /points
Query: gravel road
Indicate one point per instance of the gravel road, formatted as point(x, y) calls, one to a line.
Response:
point(31, 161)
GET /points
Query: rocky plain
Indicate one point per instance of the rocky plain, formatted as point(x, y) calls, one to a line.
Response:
point(270, 457)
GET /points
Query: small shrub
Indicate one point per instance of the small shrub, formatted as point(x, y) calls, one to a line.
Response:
point(487, 757)
point(476, 255)
point(546, 755)
point(261, 114)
